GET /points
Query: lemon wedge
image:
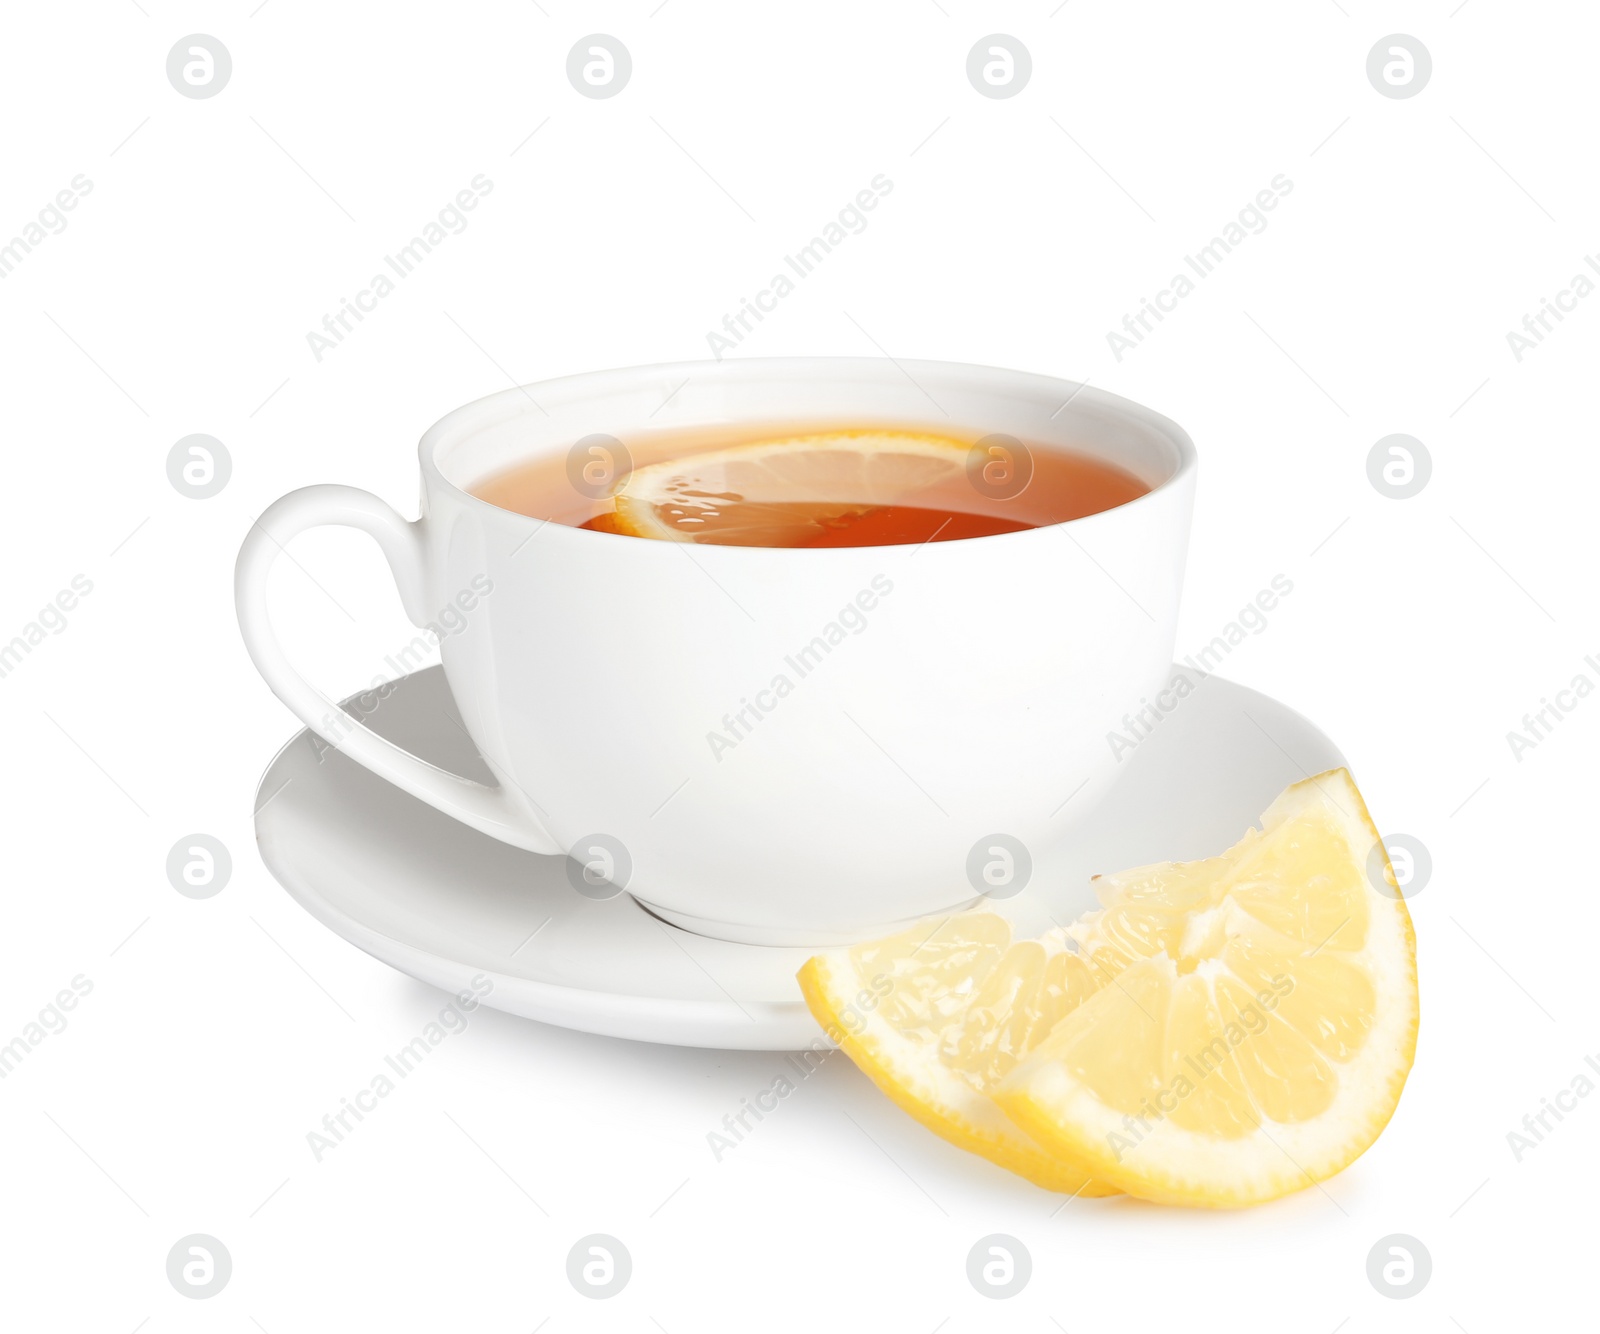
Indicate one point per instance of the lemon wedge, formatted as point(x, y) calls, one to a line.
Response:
point(937, 1015)
point(1261, 1022)
point(1219, 1033)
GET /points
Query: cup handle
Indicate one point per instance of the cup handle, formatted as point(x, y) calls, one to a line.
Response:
point(488, 809)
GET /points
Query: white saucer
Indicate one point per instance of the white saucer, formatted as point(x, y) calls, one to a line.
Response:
point(444, 903)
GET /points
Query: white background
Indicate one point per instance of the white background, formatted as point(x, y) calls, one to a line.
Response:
point(1419, 632)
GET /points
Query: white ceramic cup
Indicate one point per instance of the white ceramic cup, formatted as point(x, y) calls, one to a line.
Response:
point(962, 692)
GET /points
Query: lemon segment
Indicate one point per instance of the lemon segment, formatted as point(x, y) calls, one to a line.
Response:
point(1262, 1020)
point(939, 1014)
point(786, 492)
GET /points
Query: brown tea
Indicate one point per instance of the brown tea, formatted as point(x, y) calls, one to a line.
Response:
point(840, 488)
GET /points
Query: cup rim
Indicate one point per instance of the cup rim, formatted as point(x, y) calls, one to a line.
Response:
point(587, 385)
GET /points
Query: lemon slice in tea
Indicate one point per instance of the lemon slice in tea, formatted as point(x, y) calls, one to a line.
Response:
point(801, 491)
